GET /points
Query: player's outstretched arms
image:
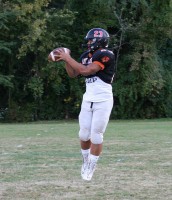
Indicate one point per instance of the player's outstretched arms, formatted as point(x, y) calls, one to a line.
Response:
point(78, 67)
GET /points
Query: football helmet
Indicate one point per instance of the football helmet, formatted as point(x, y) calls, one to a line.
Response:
point(97, 38)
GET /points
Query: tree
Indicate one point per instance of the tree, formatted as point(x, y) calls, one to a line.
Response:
point(8, 48)
point(33, 88)
point(140, 76)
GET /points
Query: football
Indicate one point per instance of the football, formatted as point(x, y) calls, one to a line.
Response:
point(53, 56)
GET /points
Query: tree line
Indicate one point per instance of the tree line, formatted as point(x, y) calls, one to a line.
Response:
point(32, 88)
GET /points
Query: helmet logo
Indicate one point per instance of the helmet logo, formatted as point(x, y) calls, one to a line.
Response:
point(98, 33)
point(105, 59)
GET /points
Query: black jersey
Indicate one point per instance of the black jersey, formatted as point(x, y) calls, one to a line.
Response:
point(105, 59)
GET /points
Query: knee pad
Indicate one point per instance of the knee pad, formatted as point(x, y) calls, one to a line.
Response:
point(97, 138)
point(84, 134)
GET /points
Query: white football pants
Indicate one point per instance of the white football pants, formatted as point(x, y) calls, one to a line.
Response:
point(93, 120)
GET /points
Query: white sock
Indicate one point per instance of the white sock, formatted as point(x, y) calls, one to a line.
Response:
point(94, 158)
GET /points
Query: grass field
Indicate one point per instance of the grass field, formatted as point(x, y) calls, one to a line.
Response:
point(42, 161)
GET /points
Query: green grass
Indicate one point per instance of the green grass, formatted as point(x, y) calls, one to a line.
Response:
point(42, 161)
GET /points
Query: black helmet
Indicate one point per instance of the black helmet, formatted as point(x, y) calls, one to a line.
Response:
point(99, 38)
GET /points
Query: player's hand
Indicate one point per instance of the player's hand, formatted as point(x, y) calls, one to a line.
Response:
point(62, 55)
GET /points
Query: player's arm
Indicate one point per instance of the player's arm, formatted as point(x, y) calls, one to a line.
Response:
point(70, 71)
point(78, 67)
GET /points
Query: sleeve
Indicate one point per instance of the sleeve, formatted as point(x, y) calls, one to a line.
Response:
point(102, 58)
point(83, 55)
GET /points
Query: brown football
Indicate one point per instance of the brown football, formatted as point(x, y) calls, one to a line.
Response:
point(53, 56)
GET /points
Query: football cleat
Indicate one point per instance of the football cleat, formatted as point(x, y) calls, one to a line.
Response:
point(89, 170)
point(84, 165)
point(83, 168)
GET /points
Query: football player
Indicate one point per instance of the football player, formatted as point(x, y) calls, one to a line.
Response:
point(97, 65)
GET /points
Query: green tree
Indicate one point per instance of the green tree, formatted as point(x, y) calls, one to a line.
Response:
point(38, 29)
point(33, 88)
point(145, 27)
point(46, 29)
point(8, 49)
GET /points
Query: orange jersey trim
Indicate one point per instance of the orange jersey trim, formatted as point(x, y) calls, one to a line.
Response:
point(100, 64)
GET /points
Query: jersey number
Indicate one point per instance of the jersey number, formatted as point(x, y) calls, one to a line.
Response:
point(98, 33)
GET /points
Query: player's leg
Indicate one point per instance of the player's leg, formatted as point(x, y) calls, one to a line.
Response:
point(100, 120)
point(85, 144)
point(85, 118)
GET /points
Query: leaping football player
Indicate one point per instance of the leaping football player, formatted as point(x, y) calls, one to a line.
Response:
point(97, 65)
